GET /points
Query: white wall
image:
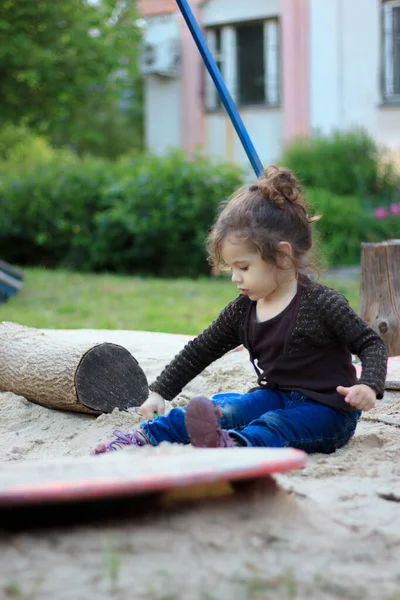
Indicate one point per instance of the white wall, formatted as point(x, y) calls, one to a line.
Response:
point(162, 95)
point(345, 54)
point(324, 65)
point(388, 127)
point(216, 136)
point(264, 127)
point(163, 114)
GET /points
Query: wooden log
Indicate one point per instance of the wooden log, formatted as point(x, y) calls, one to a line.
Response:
point(379, 303)
point(69, 376)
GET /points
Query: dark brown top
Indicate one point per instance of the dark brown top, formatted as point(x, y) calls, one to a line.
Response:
point(315, 374)
point(325, 331)
point(266, 339)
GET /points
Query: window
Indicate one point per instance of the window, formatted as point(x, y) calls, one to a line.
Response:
point(391, 50)
point(248, 56)
point(218, 56)
point(250, 64)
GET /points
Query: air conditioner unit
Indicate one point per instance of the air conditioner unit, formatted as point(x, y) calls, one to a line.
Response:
point(160, 58)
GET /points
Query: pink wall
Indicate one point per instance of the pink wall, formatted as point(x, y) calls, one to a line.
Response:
point(295, 68)
point(156, 7)
point(192, 79)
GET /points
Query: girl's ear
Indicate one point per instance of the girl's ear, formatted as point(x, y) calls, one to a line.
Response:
point(286, 248)
point(285, 255)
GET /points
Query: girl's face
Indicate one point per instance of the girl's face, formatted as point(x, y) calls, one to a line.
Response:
point(252, 275)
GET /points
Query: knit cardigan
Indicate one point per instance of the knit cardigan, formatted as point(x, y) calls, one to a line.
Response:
point(324, 318)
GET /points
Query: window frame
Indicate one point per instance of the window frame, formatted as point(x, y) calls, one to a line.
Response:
point(387, 97)
point(228, 62)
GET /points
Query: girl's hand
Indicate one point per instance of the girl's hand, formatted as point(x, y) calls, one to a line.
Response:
point(360, 396)
point(154, 404)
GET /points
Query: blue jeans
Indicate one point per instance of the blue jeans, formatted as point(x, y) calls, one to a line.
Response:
point(269, 418)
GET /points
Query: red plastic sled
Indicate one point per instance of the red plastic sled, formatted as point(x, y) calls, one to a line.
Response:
point(132, 473)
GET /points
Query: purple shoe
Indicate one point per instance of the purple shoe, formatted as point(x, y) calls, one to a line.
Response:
point(123, 438)
point(201, 421)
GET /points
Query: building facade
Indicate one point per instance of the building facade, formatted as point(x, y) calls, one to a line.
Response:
point(292, 67)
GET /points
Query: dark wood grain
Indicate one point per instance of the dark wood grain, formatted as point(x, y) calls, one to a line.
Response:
point(109, 377)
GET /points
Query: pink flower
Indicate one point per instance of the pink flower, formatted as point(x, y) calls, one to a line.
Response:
point(380, 213)
point(394, 209)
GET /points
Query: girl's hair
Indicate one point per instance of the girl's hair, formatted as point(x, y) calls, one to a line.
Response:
point(270, 211)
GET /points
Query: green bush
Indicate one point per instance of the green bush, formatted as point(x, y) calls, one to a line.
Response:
point(345, 225)
point(142, 214)
point(159, 213)
point(345, 163)
point(145, 215)
point(47, 212)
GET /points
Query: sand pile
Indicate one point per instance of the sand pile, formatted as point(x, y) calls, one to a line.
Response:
point(331, 530)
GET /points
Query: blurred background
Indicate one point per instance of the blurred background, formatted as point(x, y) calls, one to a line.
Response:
point(115, 151)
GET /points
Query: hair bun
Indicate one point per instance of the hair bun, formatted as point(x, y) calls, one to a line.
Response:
point(280, 186)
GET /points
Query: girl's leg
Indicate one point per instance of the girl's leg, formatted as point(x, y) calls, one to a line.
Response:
point(239, 412)
point(233, 414)
point(167, 428)
point(303, 424)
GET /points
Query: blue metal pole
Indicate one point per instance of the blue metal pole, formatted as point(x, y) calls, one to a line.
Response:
point(223, 92)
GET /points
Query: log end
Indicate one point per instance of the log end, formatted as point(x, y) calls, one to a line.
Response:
point(109, 377)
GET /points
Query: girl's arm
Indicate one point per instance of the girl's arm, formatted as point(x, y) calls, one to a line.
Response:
point(345, 324)
point(219, 338)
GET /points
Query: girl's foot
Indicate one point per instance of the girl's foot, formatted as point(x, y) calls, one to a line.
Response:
point(123, 438)
point(201, 419)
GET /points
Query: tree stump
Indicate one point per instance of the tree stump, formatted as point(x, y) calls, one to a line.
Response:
point(379, 304)
point(67, 376)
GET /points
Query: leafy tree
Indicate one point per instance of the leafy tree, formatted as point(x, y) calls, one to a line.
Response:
point(60, 59)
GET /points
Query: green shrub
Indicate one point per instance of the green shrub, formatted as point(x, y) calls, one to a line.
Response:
point(345, 225)
point(145, 215)
point(158, 215)
point(46, 212)
point(345, 163)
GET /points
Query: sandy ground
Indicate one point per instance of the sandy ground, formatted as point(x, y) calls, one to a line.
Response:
point(330, 530)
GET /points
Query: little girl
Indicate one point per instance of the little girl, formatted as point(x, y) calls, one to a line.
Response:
point(300, 336)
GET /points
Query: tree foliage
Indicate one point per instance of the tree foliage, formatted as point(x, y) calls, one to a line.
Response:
point(63, 59)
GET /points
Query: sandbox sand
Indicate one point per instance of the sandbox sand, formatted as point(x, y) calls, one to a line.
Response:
point(330, 530)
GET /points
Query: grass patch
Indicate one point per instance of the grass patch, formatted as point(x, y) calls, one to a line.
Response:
point(64, 300)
